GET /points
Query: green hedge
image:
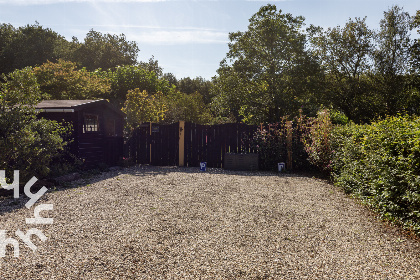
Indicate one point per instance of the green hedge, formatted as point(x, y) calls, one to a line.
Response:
point(380, 164)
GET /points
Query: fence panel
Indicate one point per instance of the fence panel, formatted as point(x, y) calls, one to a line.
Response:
point(159, 144)
point(210, 143)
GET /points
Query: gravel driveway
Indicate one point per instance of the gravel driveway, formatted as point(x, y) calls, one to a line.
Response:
point(149, 222)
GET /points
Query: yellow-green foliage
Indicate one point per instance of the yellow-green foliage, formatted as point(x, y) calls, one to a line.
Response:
point(143, 107)
point(62, 80)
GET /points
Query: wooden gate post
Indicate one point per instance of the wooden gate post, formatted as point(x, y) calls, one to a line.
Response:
point(289, 128)
point(150, 145)
point(181, 143)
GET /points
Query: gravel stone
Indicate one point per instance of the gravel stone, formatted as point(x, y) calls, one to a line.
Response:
point(147, 222)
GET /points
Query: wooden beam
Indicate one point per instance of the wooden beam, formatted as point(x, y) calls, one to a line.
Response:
point(181, 143)
point(150, 145)
point(289, 127)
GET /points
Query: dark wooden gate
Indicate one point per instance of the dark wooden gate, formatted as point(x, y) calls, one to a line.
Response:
point(155, 144)
point(210, 143)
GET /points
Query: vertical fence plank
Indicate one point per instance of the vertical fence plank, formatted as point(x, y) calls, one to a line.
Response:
point(187, 142)
point(181, 147)
point(289, 129)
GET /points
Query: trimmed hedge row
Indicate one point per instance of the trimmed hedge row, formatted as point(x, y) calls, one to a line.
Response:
point(380, 164)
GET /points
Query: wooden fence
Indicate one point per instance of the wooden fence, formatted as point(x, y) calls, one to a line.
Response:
point(188, 144)
point(96, 148)
point(154, 144)
point(210, 143)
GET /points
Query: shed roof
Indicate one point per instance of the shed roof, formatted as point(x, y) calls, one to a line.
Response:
point(73, 105)
point(58, 104)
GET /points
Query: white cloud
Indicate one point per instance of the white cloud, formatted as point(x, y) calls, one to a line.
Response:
point(156, 35)
point(176, 37)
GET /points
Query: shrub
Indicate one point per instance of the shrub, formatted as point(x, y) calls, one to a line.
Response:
point(27, 144)
point(317, 140)
point(270, 143)
point(380, 163)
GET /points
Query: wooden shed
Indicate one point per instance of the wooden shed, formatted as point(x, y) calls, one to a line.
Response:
point(97, 128)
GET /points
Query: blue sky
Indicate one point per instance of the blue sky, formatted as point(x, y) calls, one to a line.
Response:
point(188, 37)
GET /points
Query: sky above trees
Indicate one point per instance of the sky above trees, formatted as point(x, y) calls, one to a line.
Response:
point(188, 38)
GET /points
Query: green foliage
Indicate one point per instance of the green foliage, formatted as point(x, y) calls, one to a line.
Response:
point(338, 117)
point(33, 45)
point(380, 163)
point(317, 141)
point(230, 95)
point(152, 66)
point(196, 85)
point(392, 60)
point(28, 144)
point(62, 80)
point(128, 77)
point(142, 107)
point(269, 62)
point(415, 48)
point(345, 55)
point(29, 45)
point(104, 51)
point(186, 107)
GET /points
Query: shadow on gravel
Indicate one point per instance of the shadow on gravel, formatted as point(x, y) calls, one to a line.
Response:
point(10, 204)
point(147, 170)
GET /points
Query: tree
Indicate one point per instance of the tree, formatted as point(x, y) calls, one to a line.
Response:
point(62, 80)
point(128, 77)
point(143, 107)
point(27, 144)
point(30, 45)
point(152, 66)
point(171, 79)
point(233, 95)
point(345, 55)
point(415, 48)
point(414, 98)
point(7, 35)
point(270, 62)
point(198, 84)
point(392, 58)
point(105, 51)
point(186, 107)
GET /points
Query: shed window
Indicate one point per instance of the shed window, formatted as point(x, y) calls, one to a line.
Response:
point(91, 124)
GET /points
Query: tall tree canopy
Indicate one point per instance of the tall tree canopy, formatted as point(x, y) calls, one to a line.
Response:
point(29, 45)
point(271, 63)
point(105, 51)
point(143, 107)
point(345, 55)
point(415, 51)
point(196, 85)
point(130, 77)
point(392, 60)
